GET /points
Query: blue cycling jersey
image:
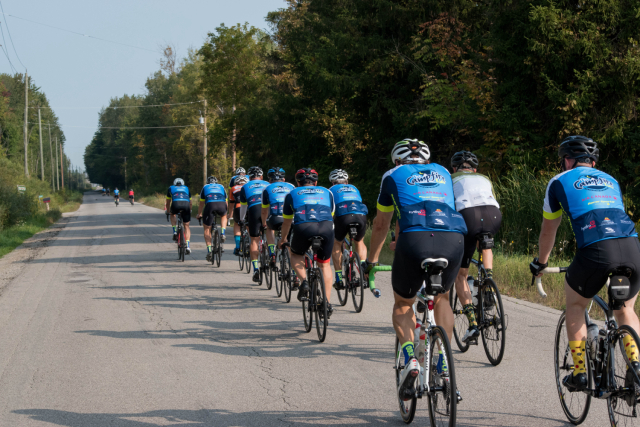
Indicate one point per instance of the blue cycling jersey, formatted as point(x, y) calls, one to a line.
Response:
point(251, 192)
point(213, 193)
point(348, 200)
point(422, 196)
point(232, 181)
point(179, 193)
point(309, 204)
point(273, 197)
point(116, 192)
point(593, 201)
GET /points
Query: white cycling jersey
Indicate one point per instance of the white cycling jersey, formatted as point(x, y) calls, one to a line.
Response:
point(472, 189)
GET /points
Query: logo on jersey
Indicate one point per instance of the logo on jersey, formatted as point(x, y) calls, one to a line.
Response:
point(438, 212)
point(256, 185)
point(609, 230)
point(344, 189)
point(312, 191)
point(592, 183)
point(429, 179)
point(439, 221)
point(589, 226)
point(607, 221)
point(421, 212)
point(280, 190)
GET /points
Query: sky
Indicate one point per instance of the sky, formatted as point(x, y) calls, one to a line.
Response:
point(80, 74)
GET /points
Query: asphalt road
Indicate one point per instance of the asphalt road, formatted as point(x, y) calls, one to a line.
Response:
point(101, 326)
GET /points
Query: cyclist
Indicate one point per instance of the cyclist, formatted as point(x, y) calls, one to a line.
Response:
point(272, 202)
point(234, 207)
point(606, 239)
point(476, 202)
point(215, 203)
point(131, 194)
point(239, 172)
point(108, 191)
point(419, 192)
point(179, 202)
point(116, 194)
point(251, 205)
point(349, 210)
point(104, 191)
point(310, 209)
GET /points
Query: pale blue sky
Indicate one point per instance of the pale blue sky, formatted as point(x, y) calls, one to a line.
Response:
point(76, 71)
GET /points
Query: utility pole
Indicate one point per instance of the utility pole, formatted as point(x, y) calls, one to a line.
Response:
point(57, 167)
point(53, 182)
point(41, 155)
point(125, 174)
point(204, 169)
point(61, 164)
point(26, 114)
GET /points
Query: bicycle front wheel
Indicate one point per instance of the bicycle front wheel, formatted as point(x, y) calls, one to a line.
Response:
point(621, 405)
point(574, 404)
point(287, 276)
point(494, 322)
point(247, 253)
point(460, 321)
point(443, 396)
point(322, 318)
point(407, 407)
point(343, 294)
point(357, 283)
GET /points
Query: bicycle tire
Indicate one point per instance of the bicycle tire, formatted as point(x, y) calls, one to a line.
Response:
point(357, 283)
point(407, 407)
point(286, 275)
point(460, 321)
point(241, 255)
point(343, 294)
point(247, 253)
point(563, 365)
point(493, 335)
point(442, 415)
point(214, 245)
point(276, 277)
point(183, 244)
point(265, 268)
point(219, 251)
point(321, 311)
point(618, 405)
point(307, 307)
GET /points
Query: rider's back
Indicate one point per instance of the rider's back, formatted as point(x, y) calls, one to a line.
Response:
point(472, 189)
point(348, 200)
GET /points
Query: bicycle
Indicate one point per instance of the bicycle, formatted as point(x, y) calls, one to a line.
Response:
point(182, 244)
point(263, 250)
point(131, 200)
point(285, 272)
point(216, 239)
point(492, 322)
point(353, 281)
point(274, 267)
point(606, 372)
point(117, 200)
point(244, 254)
point(436, 379)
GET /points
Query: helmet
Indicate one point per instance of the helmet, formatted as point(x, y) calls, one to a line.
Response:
point(338, 175)
point(116, 188)
point(404, 149)
point(242, 180)
point(240, 170)
point(275, 173)
point(212, 180)
point(178, 181)
point(579, 147)
point(306, 174)
point(462, 157)
point(254, 171)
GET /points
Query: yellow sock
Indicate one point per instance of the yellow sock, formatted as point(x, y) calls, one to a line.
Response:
point(631, 348)
point(578, 355)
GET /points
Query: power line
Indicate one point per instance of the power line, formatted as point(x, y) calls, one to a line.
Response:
point(122, 127)
point(6, 53)
point(126, 106)
point(86, 35)
point(10, 38)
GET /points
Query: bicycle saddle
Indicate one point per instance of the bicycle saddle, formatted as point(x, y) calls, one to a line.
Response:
point(486, 240)
point(438, 264)
point(316, 242)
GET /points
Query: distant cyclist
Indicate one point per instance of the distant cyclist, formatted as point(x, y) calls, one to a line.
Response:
point(309, 208)
point(606, 239)
point(213, 201)
point(476, 202)
point(179, 202)
point(116, 194)
point(349, 210)
point(272, 204)
point(108, 191)
point(104, 191)
point(234, 208)
point(251, 205)
point(131, 194)
point(419, 192)
point(239, 172)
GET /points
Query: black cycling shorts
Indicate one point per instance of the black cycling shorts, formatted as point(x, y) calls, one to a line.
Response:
point(130, 196)
point(275, 222)
point(236, 215)
point(183, 209)
point(413, 247)
point(479, 219)
point(254, 220)
point(342, 226)
point(210, 211)
point(590, 268)
point(300, 242)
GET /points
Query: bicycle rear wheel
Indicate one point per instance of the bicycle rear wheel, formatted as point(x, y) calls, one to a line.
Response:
point(265, 270)
point(621, 406)
point(343, 294)
point(241, 255)
point(307, 305)
point(214, 245)
point(407, 407)
point(574, 404)
point(287, 277)
point(443, 399)
point(494, 326)
point(322, 318)
point(276, 277)
point(460, 321)
point(247, 253)
point(357, 283)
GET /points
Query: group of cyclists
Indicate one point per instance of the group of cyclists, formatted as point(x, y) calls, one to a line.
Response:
point(438, 215)
point(116, 194)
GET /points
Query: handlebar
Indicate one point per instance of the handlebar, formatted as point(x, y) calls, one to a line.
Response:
point(167, 214)
point(372, 275)
point(538, 280)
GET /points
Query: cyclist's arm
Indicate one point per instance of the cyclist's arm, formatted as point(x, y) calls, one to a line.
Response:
point(202, 203)
point(167, 202)
point(287, 215)
point(264, 213)
point(381, 225)
point(547, 238)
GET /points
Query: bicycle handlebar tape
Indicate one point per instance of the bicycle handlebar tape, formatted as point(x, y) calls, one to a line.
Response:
point(373, 272)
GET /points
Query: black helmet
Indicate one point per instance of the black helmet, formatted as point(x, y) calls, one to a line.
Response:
point(254, 171)
point(212, 180)
point(462, 157)
point(579, 147)
point(275, 173)
point(306, 174)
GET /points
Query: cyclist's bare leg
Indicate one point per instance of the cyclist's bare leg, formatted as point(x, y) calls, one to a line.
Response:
point(627, 316)
point(255, 254)
point(403, 317)
point(297, 262)
point(576, 305)
point(462, 289)
point(271, 237)
point(237, 231)
point(207, 234)
point(173, 220)
point(336, 256)
point(187, 231)
point(361, 249)
point(487, 258)
point(327, 275)
point(443, 313)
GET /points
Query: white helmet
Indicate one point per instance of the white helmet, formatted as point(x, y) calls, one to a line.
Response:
point(338, 175)
point(241, 180)
point(178, 181)
point(404, 149)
